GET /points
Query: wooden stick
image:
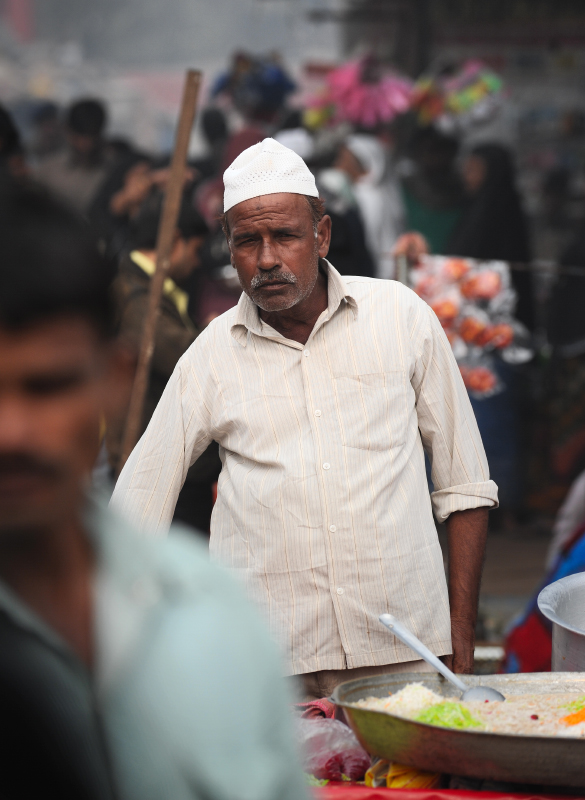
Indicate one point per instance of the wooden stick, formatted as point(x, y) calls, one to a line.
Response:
point(164, 246)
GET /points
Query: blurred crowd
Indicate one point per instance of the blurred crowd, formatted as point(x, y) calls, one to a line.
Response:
point(379, 181)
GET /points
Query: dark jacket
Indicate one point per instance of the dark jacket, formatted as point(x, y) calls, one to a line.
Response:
point(172, 338)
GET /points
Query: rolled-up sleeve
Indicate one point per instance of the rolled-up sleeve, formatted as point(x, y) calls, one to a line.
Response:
point(447, 424)
point(179, 431)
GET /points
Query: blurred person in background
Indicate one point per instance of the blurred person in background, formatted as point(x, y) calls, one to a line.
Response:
point(528, 643)
point(12, 158)
point(256, 86)
point(120, 656)
point(363, 159)
point(566, 333)
point(432, 190)
point(212, 288)
point(120, 198)
point(215, 131)
point(493, 225)
point(174, 333)
point(48, 136)
point(76, 172)
point(348, 248)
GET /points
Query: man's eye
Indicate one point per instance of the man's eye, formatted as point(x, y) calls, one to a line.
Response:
point(53, 384)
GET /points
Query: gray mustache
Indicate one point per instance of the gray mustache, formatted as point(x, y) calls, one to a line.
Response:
point(272, 277)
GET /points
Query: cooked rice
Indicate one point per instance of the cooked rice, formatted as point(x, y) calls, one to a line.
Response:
point(514, 716)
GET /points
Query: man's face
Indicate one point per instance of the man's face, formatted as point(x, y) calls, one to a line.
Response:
point(275, 250)
point(185, 257)
point(57, 378)
point(83, 144)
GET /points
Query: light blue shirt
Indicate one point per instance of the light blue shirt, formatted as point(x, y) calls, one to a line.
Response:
point(187, 682)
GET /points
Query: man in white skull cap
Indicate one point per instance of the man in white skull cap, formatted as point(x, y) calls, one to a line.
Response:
point(324, 394)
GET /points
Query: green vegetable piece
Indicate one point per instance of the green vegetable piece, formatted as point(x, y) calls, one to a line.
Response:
point(576, 705)
point(449, 715)
point(313, 781)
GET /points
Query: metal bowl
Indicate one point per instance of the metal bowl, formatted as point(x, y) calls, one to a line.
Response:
point(553, 761)
point(563, 603)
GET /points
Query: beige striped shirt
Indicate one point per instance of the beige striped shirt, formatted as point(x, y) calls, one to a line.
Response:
point(323, 506)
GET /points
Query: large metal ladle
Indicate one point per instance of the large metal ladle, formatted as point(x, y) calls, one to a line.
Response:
point(478, 693)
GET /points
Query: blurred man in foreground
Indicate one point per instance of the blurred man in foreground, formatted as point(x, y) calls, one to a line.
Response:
point(129, 668)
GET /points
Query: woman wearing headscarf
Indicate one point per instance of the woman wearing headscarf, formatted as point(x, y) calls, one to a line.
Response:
point(364, 160)
point(494, 225)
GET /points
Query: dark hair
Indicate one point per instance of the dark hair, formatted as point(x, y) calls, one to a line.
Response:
point(47, 111)
point(214, 125)
point(144, 228)
point(9, 136)
point(87, 117)
point(50, 265)
point(316, 206)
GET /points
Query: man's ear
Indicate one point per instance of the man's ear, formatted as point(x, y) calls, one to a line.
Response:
point(324, 235)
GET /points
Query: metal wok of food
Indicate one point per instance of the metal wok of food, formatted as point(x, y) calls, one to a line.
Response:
point(518, 758)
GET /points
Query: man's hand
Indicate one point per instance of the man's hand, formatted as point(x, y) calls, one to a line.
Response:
point(467, 533)
point(412, 245)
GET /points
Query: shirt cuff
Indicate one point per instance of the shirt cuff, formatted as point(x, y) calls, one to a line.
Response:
point(460, 498)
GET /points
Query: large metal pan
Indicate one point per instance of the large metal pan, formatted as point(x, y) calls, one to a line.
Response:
point(520, 759)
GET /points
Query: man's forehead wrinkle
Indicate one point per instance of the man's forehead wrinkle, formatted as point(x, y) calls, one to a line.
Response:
point(270, 218)
point(284, 203)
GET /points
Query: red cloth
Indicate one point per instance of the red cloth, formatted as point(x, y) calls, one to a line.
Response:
point(531, 645)
point(317, 709)
point(240, 141)
point(353, 792)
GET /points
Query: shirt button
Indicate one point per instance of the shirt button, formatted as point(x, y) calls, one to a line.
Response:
point(326, 465)
point(318, 412)
point(332, 528)
point(306, 353)
point(340, 590)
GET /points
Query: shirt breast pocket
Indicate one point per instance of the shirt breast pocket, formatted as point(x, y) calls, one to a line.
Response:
point(374, 409)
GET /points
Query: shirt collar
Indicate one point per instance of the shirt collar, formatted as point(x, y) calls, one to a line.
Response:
point(247, 319)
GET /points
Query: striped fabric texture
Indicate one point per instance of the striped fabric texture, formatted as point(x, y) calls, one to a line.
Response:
point(323, 505)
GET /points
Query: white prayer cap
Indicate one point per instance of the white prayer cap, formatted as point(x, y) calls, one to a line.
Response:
point(370, 153)
point(266, 168)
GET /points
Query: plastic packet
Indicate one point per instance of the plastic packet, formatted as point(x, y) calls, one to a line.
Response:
point(458, 346)
point(446, 306)
point(480, 378)
point(473, 323)
point(520, 351)
point(454, 269)
point(426, 284)
point(486, 281)
point(330, 750)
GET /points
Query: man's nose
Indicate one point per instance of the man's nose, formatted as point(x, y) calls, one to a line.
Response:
point(268, 258)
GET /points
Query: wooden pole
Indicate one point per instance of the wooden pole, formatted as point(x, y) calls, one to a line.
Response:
point(164, 246)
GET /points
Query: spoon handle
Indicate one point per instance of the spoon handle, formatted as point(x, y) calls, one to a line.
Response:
point(402, 633)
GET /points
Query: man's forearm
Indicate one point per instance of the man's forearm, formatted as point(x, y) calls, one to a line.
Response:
point(467, 533)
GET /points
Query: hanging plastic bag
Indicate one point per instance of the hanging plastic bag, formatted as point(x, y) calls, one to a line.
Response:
point(330, 750)
point(479, 376)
